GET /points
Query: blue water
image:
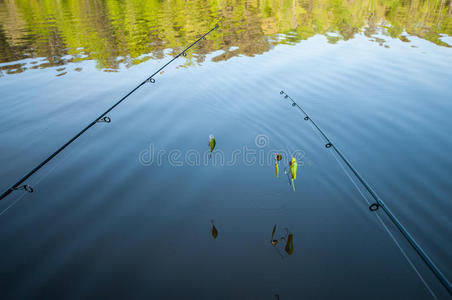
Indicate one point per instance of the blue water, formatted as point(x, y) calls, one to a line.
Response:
point(107, 222)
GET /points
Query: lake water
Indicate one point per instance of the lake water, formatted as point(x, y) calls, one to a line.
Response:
point(137, 208)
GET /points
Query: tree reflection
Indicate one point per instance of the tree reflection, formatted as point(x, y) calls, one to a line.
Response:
point(115, 33)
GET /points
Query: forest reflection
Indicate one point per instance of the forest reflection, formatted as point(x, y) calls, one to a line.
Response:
point(124, 33)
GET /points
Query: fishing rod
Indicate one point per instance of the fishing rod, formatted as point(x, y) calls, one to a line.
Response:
point(102, 118)
point(379, 203)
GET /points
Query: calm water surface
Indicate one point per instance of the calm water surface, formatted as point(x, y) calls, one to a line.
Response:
point(129, 209)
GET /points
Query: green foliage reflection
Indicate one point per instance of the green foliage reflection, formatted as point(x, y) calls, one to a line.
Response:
point(128, 32)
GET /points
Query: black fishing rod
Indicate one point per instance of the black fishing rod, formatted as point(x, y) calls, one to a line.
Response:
point(101, 118)
point(379, 203)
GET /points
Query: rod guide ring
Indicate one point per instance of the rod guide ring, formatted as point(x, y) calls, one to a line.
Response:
point(374, 207)
point(328, 145)
point(104, 119)
point(25, 187)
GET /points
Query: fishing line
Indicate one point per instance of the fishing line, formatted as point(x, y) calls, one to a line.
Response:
point(102, 118)
point(287, 173)
point(379, 203)
point(410, 262)
point(13, 203)
point(36, 181)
